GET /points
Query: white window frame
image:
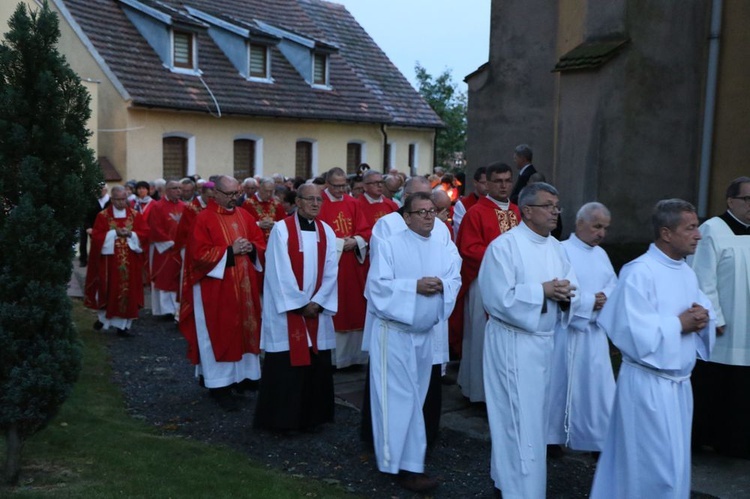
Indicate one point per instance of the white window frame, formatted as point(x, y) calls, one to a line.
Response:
point(190, 148)
point(267, 78)
point(194, 52)
point(326, 85)
point(258, 151)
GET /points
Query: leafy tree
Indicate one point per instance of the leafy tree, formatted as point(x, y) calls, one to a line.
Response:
point(47, 174)
point(449, 103)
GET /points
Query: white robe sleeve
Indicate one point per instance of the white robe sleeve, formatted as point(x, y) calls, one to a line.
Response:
point(108, 248)
point(279, 278)
point(218, 271)
point(162, 246)
point(328, 293)
point(705, 265)
point(504, 295)
point(391, 298)
point(636, 327)
point(134, 243)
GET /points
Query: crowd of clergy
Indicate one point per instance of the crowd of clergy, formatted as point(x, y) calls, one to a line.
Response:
point(276, 283)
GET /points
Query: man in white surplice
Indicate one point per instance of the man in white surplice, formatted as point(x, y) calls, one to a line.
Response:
point(659, 319)
point(411, 287)
point(582, 387)
point(721, 386)
point(527, 286)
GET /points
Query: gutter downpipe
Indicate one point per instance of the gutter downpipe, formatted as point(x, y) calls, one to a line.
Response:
point(385, 148)
point(709, 109)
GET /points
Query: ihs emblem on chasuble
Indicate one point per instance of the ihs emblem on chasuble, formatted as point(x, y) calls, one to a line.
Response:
point(342, 225)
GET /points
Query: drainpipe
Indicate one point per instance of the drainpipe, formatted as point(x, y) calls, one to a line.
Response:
point(709, 109)
point(385, 148)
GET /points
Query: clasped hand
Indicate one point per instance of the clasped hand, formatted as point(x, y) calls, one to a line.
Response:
point(242, 246)
point(558, 289)
point(429, 286)
point(693, 319)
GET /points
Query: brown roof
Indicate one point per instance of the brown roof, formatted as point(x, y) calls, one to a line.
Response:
point(590, 54)
point(109, 172)
point(366, 86)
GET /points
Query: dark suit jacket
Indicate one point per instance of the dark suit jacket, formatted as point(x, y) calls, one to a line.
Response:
point(523, 179)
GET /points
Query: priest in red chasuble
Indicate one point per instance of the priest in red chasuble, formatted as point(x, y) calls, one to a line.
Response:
point(493, 215)
point(342, 213)
point(114, 278)
point(220, 313)
point(165, 259)
point(264, 207)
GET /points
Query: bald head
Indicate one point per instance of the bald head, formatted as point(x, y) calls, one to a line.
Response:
point(417, 184)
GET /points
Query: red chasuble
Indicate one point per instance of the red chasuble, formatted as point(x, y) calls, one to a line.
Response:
point(265, 209)
point(299, 352)
point(164, 218)
point(232, 304)
point(483, 222)
point(184, 229)
point(115, 282)
point(372, 212)
point(346, 220)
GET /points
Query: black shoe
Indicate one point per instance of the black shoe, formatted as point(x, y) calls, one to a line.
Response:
point(98, 326)
point(498, 493)
point(201, 381)
point(168, 317)
point(246, 386)
point(555, 451)
point(124, 333)
point(225, 400)
point(82, 264)
point(416, 482)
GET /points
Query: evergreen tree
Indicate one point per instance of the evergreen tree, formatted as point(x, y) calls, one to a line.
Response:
point(449, 103)
point(47, 174)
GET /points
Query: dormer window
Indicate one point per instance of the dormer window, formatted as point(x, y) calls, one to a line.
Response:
point(320, 70)
point(260, 66)
point(183, 50)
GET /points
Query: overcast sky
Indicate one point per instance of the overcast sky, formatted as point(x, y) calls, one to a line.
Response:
point(440, 34)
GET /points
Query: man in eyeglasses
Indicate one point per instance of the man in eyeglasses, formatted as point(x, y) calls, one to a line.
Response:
point(165, 259)
point(264, 206)
point(342, 213)
point(721, 385)
point(220, 309)
point(300, 298)
point(411, 288)
point(373, 203)
point(493, 215)
point(527, 287)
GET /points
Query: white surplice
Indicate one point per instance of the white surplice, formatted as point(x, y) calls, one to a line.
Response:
point(281, 293)
point(722, 264)
point(385, 227)
point(519, 340)
point(647, 450)
point(582, 387)
point(403, 331)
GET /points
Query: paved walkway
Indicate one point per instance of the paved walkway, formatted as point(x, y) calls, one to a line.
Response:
point(713, 475)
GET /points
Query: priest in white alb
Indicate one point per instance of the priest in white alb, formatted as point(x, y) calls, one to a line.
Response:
point(660, 320)
point(411, 288)
point(582, 388)
point(528, 289)
point(722, 385)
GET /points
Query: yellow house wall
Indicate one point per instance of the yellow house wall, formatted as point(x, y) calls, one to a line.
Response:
point(212, 143)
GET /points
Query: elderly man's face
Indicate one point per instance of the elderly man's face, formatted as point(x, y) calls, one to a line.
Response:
point(119, 199)
point(187, 191)
point(592, 232)
point(172, 190)
point(374, 186)
point(683, 239)
point(740, 204)
point(309, 201)
point(337, 186)
point(265, 191)
point(421, 217)
point(250, 189)
point(541, 215)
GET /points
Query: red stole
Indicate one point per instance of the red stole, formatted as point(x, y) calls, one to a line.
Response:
point(297, 324)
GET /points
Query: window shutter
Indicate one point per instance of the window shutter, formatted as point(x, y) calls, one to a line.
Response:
point(319, 69)
point(183, 49)
point(258, 61)
point(244, 159)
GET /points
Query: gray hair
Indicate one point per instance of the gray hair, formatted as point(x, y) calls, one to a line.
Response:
point(187, 181)
point(668, 213)
point(736, 185)
point(529, 193)
point(117, 188)
point(250, 181)
point(586, 212)
point(524, 151)
point(159, 182)
point(266, 180)
point(370, 173)
point(306, 187)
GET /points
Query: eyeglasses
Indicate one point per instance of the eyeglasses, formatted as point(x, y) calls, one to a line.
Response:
point(233, 194)
point(337, 186)
point(502, 181)
point(375, 182)
point(312, 199)
point(746, 199)
point(424, 213)
point(551, 208)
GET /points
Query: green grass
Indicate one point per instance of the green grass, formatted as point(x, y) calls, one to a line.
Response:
point(94, 449)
